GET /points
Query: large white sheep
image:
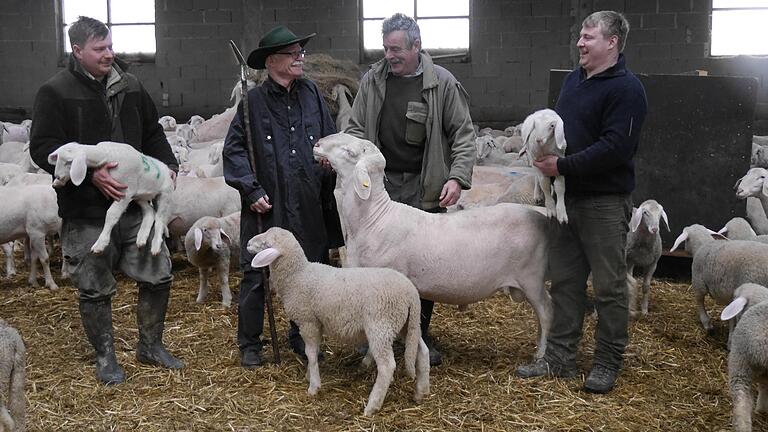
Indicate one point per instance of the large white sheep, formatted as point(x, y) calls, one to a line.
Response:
point(146, 179)
point(30, 211)
point(354, 305)
point(543, 135)
point(457, 258)
point(719, 267)
point(209, 244)
point(644, 250)
point(15, 132)
point(753, 184)
point(198, 197)
point(13, 403)
point(748, 356)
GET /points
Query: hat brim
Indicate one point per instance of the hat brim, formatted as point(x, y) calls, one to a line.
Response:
point(258, 57)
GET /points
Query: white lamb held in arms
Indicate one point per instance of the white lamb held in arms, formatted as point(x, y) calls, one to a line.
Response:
point(543, 135)
point(354, 305)
point(146, 177)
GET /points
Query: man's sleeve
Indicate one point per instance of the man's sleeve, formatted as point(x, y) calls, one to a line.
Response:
point(237, 168)
point(47, 133)
point(457, 124)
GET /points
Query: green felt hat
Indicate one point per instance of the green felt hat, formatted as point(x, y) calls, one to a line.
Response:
point(271, 42)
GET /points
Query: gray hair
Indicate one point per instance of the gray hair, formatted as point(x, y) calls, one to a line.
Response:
point(611, 23)
point(400, 21)
point(85, 28)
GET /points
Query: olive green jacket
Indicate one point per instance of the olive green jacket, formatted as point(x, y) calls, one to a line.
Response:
point(450, 138)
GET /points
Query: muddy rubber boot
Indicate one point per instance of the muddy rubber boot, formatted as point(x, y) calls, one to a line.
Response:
point(97, 323)
point(150, 318)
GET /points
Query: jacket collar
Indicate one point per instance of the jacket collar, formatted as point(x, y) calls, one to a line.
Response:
point(381, 70)
point(619, 69)
point(114, 83)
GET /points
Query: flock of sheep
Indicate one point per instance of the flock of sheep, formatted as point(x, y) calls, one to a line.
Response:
point(495, 244)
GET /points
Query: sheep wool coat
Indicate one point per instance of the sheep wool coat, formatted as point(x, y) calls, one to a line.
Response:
point(450, 143)
point(73, 106)
point(285, 126)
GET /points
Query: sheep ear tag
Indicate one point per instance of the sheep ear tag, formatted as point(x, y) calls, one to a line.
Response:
point(733, 309)
point(265, 257)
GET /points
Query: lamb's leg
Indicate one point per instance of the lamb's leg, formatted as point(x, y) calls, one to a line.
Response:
point(422, 372)
point(539, 298)
point(10, 266)
point(631, 291)
point(740, 385)
point(647, 288)
point(110, 220)
point(702, 310)
point(162, 214)
point(147, 218)
point(222, 267)
point(562, 216)
point(546, 188)
point(381, 350)
point(202, 292)
point(38, 252)
point(312, 337)
point(762, 395)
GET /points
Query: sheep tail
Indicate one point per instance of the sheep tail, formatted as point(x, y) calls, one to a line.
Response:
point(412, 338)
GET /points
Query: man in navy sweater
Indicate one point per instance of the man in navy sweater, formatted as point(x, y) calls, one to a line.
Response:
point(603, 106)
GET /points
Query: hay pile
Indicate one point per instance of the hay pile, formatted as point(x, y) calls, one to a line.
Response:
point(674, 380)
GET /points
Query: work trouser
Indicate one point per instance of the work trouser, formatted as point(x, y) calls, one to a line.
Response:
point(593, 241)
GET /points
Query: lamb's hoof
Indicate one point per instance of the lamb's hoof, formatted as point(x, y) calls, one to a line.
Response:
point(33, 283)
point(52, 286)
point(369, 411)
point(97, 249)
point(312, 391)
point(226, 304)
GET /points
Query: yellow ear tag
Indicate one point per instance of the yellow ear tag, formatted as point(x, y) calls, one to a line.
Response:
point(365, 184)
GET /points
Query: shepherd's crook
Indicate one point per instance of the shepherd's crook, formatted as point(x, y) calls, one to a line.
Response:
point(252, 161)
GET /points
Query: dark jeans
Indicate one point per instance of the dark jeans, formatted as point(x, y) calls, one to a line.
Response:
point(593, 241)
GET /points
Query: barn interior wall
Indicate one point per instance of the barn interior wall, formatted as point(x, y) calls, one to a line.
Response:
point(514, 45)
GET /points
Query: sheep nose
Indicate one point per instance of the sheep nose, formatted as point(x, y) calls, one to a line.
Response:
point(654, 230)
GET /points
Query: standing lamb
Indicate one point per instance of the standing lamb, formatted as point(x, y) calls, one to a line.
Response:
point(719, 267)
point(13, 355)
point(457, 258)
point(146, 177)
point(643, 250)
point(206, 250)
point(543, 135)
point(748, 356)
point(354, 305)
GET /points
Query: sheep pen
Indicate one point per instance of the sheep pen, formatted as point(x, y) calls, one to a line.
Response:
point(675, 376)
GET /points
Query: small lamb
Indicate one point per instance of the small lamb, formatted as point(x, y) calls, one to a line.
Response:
point(543, 135)
point(146, 177)
point(748, 356)
point(353, 304)
point(206, 250)
point(13, 355)
point(643, 250)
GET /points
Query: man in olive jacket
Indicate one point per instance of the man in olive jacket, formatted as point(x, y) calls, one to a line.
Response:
point(417, 113)
point(90, 101)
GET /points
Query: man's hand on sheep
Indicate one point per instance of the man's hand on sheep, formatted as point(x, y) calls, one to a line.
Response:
point(262, 205)
point(547, 165)
point(450, 193)
point(108, 186)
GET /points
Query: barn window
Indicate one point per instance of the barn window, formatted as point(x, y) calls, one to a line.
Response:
point(132, 23)
point(444, 26)
point(739, 27)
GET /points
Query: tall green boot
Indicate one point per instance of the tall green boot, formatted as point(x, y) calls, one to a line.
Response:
point(150, 317)
point(97, 323)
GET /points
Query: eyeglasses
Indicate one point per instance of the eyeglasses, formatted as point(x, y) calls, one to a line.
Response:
point(294, 54)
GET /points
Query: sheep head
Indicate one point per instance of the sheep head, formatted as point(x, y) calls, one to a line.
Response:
point(270, 245)
point(70, 164)
point(209, 230)
point(697, 232)
point(543, 130)
point(745, 296)
point(352, 158)
point(752, 184)
point(650, 213)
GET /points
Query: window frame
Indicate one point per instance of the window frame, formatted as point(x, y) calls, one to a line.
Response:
point(61, 39)
point(713, 10)
point(440, 55)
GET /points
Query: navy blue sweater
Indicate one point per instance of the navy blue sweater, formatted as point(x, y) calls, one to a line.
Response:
point(602, 117)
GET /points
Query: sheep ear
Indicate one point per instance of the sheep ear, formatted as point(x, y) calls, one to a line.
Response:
point(560, 135)
point(525, 131)
point(53, 157)
point(637, 217)
point(765, 187)
point(664, 217)
point(265, 257)
point(738, 182)
point(198, 238)
point(362, 181)
point(680, 239)
point(78, 168)
point(733, 309)
point(225, 235)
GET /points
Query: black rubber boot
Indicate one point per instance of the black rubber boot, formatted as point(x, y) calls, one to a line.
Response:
point(97, 323)
point(150, 317)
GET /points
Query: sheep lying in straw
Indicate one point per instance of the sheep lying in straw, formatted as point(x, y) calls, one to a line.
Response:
point(354, 305)
point(146, 177)
point(13, 405)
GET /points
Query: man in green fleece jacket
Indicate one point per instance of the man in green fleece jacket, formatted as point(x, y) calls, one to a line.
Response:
point(417, 113)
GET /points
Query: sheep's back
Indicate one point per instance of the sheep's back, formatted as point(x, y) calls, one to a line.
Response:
point(722, 266)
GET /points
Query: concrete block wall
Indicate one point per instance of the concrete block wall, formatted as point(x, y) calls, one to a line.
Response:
point(514, 45)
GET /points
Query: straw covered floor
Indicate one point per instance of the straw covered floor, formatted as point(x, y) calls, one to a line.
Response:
point(675, 376)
